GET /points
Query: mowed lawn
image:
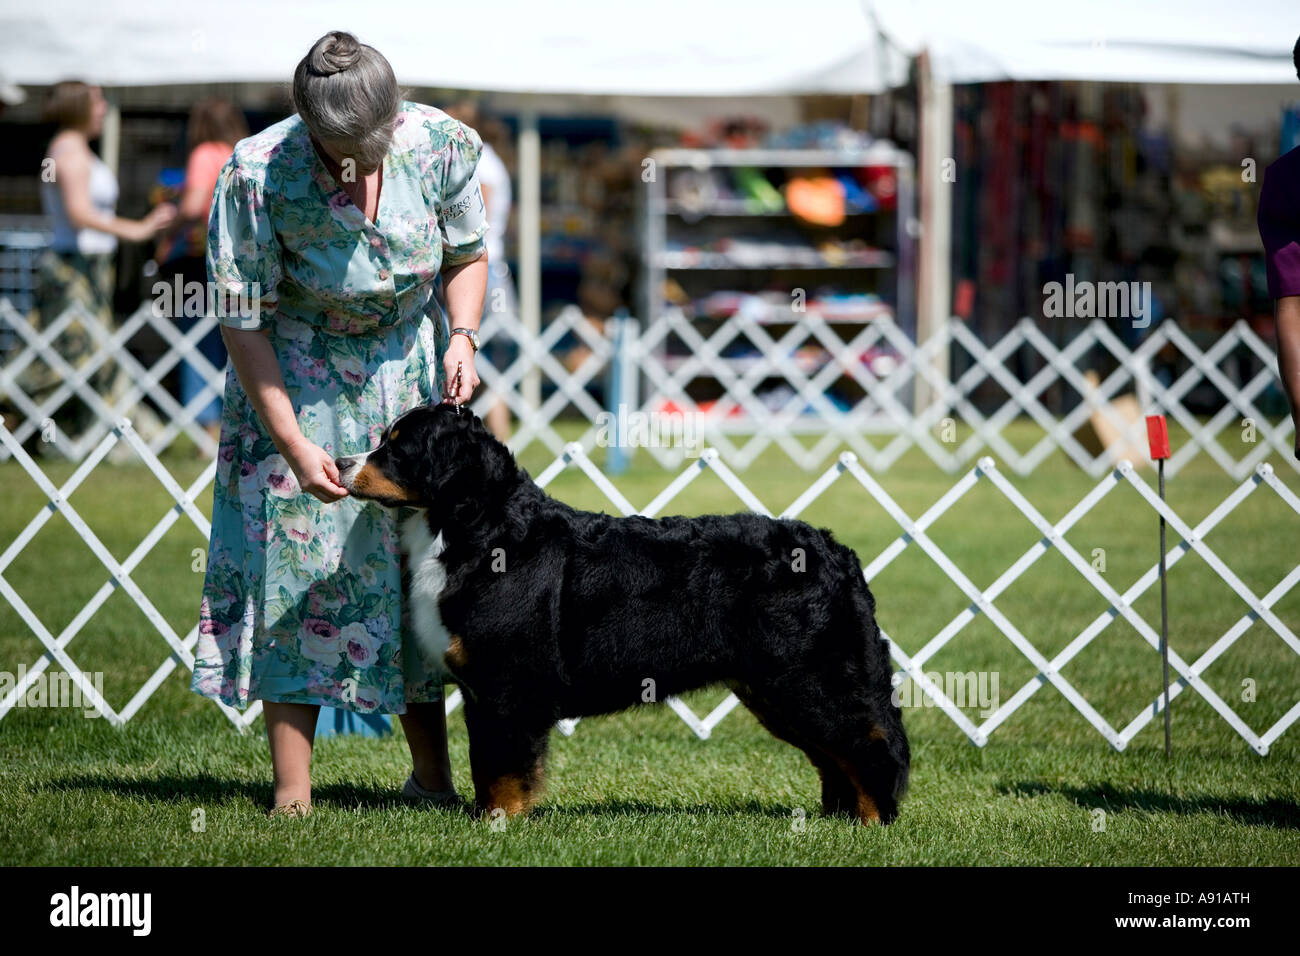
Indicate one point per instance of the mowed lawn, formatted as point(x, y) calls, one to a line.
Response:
point(179, 785)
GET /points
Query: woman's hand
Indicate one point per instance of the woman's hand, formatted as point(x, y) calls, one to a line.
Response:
point(459, 350)
point(315, 469)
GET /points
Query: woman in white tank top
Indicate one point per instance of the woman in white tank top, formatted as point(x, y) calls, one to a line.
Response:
point(79, 195)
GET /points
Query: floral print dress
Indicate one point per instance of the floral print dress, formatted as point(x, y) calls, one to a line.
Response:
point(302, 600)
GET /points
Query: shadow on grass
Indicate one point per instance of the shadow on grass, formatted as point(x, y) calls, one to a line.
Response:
point(1275, 814)
point(197, 789)
point(171, 788)
point(640, 808)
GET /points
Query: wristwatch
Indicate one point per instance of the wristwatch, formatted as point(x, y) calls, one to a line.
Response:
point(471, 334)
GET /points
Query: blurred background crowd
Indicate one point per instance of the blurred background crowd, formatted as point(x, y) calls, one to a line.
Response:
point(1110, 179)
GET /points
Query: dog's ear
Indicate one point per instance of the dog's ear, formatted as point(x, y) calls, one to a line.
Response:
point(464, 465)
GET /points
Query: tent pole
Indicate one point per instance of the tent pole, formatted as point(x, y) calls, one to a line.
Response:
point(934, 262)
point(110, 139)
point(530, 242)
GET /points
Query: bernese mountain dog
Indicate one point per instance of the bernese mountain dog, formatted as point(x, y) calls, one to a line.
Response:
point(541, 611)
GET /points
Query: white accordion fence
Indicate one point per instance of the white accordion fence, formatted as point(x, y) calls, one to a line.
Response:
point(114, 435)
point(629, 364)
point(912, 531)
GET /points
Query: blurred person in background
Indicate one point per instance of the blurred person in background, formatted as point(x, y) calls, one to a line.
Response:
point(499, 346)
point(338, 219)
point(1279, 228)
point(79, 195)
point(215, 126)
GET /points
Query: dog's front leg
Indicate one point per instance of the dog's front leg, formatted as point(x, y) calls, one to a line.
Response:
point(506, 755)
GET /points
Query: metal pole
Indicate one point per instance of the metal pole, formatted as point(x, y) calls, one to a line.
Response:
point(1164, 608)
point(934, 269)
point(530, 244)
point(621, 399)
point(110, 139)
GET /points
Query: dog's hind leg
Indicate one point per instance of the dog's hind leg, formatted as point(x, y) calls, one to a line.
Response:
point(876, 775)
point(870, 748)
point(862, 768)
point(506, 758)
point(839, 795)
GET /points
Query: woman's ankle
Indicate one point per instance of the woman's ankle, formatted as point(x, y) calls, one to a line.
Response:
point(288, 794)
point(432, 776)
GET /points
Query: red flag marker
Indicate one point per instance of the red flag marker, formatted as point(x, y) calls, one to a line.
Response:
point(1158, 437)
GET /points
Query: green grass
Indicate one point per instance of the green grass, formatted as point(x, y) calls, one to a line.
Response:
point(639, 788)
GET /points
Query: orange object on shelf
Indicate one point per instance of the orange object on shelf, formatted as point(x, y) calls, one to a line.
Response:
point(816, 199)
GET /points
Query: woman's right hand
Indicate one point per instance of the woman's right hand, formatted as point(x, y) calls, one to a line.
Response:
point(315, 470)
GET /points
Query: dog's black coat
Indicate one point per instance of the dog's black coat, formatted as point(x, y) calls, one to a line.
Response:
point(583, 610)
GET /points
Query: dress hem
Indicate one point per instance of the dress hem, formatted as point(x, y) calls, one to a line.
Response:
point(315, 700)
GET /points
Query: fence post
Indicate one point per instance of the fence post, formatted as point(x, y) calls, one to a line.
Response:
point(333, 722)
point(621, 396)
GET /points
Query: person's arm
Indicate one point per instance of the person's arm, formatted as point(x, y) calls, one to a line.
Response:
point(258, 370)
point(1288, 357)
point(244, 258)
point(463, 224)
point(72, 173)
point(464, 286)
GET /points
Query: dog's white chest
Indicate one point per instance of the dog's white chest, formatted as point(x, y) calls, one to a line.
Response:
point(428, 578)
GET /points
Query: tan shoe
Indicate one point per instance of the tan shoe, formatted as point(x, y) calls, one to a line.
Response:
point(294, 808)
point(439, 798)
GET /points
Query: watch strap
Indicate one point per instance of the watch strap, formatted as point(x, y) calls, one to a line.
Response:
point(471, 334)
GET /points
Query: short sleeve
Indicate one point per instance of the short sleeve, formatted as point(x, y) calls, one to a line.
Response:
point(1279, 229)
point(462, 218)
point(244, 264)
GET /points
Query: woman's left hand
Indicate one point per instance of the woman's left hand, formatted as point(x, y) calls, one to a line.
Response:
point(459, 350)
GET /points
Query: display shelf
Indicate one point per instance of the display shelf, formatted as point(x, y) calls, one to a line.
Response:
point(714, 234)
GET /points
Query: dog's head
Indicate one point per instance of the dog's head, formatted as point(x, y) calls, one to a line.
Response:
point(432, 456)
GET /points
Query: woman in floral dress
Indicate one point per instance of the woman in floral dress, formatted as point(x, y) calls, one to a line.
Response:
point(334, 225)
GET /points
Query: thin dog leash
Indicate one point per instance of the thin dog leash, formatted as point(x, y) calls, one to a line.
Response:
point(456, 392)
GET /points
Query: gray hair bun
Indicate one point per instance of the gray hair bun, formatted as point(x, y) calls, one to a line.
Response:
point(346, 93)
point(333, 53)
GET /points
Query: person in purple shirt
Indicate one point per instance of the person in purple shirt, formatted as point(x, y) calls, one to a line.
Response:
point(1279, 228)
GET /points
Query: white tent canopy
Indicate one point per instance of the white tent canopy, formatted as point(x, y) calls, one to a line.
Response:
point(1129, 41)
point(665, 48)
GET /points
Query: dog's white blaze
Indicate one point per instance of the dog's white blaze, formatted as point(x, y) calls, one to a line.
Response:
point(428, 578)
point(354, 464)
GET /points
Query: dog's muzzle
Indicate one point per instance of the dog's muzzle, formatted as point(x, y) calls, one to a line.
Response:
point(348, 468)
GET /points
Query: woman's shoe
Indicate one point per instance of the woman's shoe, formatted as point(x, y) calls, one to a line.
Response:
point(294, 808)
point(439, 798)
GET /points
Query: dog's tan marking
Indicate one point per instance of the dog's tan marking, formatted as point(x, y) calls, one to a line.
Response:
point(455, 657)
point(868, 812)
point(370, 482)
point(877, 733)
point(512, 793)
point(515, 793)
